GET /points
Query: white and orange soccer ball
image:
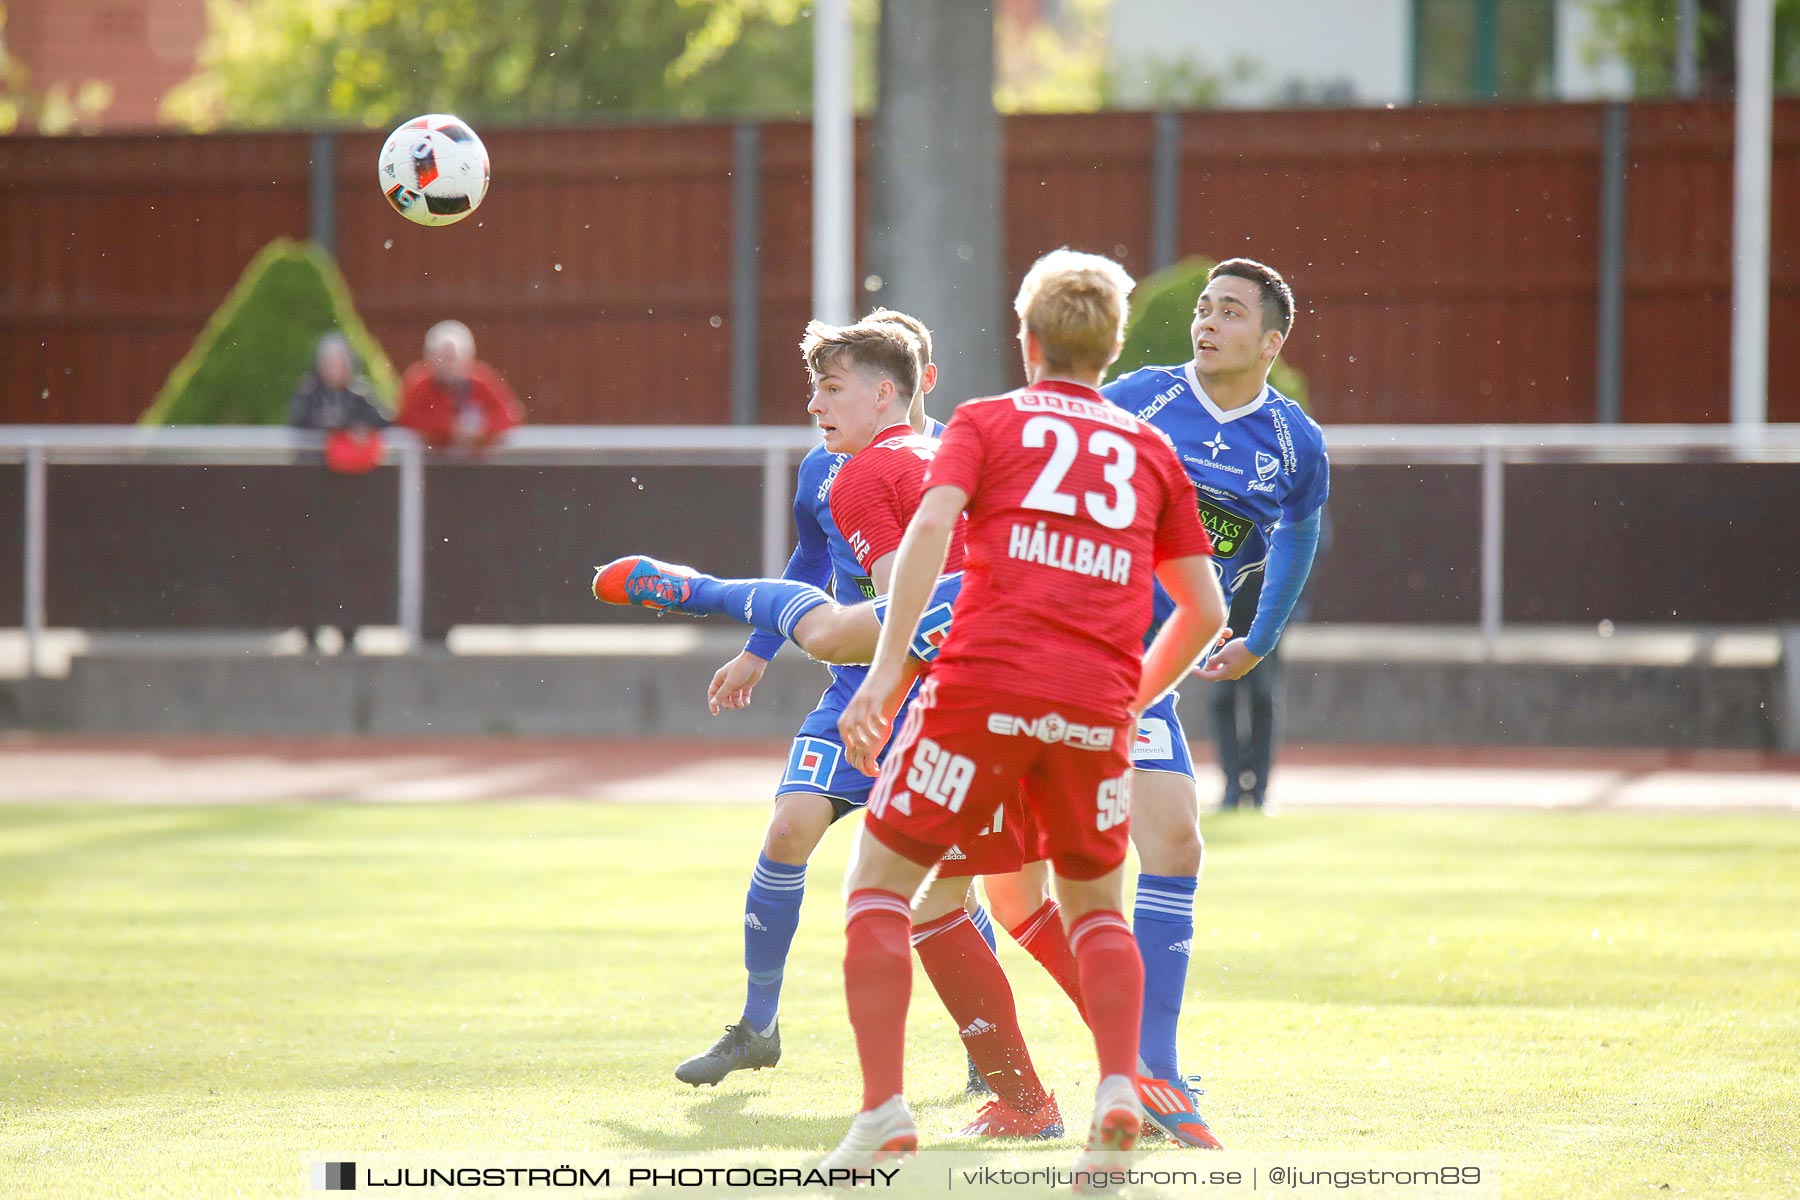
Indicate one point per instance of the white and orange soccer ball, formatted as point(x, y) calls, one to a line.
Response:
point(434, 170)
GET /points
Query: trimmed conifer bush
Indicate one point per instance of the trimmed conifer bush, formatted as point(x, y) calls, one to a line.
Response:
point(1162, 314)
point(243, 367)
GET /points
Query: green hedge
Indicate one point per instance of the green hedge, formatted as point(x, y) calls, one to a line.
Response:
point(243, 366)
point(1159, 331)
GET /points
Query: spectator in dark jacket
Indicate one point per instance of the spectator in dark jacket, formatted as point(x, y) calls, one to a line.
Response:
point(333, 395)
point(450, 399)
point(334, 398)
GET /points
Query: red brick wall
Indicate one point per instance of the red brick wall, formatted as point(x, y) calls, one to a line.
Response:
point(143, 48)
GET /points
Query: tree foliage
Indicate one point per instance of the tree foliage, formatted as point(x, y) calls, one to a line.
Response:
point(372, 62)
point(243, 366)
point(1644, 34)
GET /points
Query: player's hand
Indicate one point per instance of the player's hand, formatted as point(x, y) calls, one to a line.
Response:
point(1199, 668)
point(1232, 661)
point(733, 683)
point(864, 723)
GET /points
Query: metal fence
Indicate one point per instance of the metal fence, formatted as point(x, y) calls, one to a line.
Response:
point(1549, 528)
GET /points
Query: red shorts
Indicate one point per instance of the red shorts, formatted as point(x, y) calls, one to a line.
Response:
point(961, 755)
point(1004, 845)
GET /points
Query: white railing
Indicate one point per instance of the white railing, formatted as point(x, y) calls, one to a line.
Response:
point(779, 448)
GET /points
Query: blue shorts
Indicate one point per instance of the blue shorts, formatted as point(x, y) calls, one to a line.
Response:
point(816, 762)
point(1161, 745)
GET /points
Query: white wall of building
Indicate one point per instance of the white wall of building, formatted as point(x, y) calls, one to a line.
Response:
point(1276, 52)
point(1576, 77)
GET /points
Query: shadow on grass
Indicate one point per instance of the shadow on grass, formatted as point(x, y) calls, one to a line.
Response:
point(714, 1110)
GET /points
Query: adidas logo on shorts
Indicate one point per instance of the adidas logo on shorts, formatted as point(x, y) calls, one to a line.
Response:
point(954, 855)
point(978, 1026)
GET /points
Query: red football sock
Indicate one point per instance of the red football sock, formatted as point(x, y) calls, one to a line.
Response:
point(1044, 938)
point(878, 984)
point(972, 986)
point(1112, 978)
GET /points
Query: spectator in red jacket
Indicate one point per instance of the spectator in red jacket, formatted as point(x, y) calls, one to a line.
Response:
point(450, 399)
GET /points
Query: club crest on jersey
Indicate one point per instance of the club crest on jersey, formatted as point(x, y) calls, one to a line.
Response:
point(1266, 465)
point(813, 762)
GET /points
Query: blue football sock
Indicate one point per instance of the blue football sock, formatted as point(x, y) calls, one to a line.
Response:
point(773, 605)
point(984, 925)
point(1163, 923)
point(771, 914)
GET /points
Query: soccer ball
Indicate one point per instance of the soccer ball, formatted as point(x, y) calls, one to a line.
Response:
point(434, 170)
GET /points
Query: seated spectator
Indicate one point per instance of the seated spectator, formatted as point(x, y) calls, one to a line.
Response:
point(451, 399)
point(333, 395)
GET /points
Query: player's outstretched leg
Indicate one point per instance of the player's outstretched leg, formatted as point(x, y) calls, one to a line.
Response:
point(772, 604)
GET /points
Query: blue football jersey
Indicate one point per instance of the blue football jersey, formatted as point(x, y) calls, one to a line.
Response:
point(812, 517)
point(1252, 468)
point(812, 505)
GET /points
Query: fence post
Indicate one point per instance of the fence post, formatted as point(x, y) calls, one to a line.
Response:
point(746, 270)
point(1493, 540)
point(1615, 167)
point(36, 556)
point(322, 191)
point(774, 512)
point(1789, 734)
point(1165, 190)
point(411, 540)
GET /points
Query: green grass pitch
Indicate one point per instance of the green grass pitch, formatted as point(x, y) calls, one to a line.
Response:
point(190, 997)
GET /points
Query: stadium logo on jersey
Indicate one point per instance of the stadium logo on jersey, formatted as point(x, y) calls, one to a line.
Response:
point(1051, 729)
point(1217, 444)
point(837, 462)
point(1284, 438)
point(1159, 402)
point(812, 761)
point(1226, 529)
point(1154, 741)
point(1266, 465)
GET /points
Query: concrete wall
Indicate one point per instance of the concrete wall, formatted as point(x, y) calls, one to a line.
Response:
point(1410, 703)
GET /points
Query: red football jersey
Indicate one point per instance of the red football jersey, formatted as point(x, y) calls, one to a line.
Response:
point(877, 491)
point(1072, 503)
